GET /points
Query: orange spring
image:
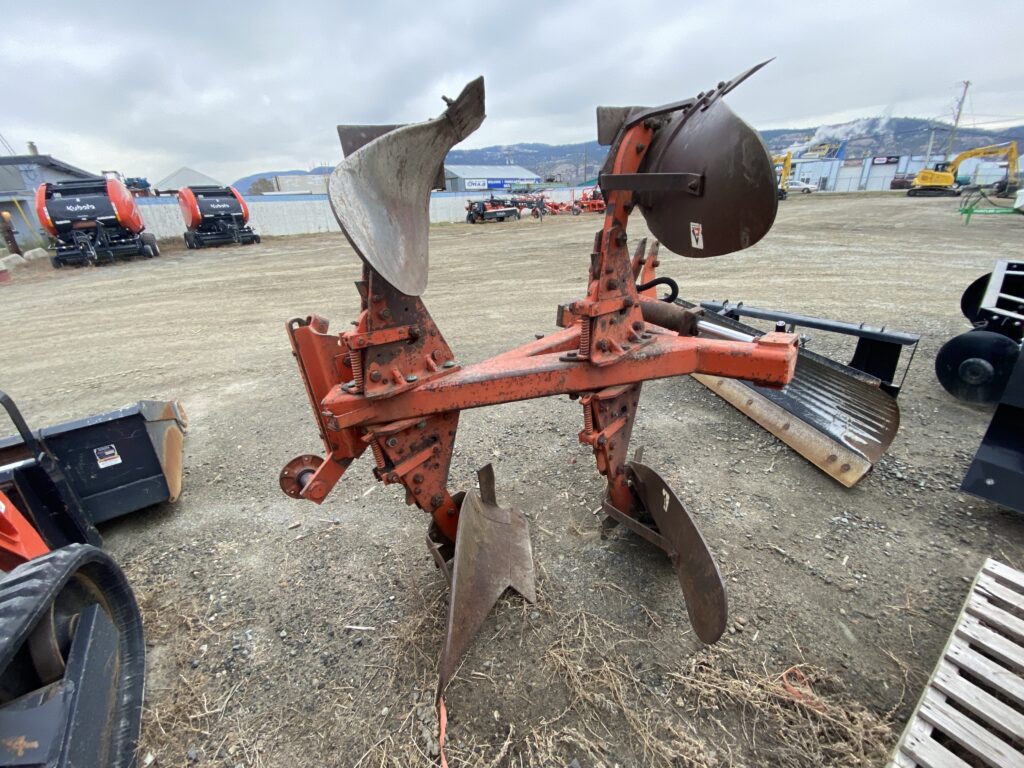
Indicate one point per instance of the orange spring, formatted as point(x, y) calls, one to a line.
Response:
point(584, 337)
point(378, 454)
point(588, 419)
point(355, 359)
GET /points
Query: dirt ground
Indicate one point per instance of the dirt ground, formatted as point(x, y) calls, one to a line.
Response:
point(284, 634)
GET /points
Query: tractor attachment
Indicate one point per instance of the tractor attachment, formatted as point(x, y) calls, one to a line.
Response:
point(986, 366)
point(72, 662)
point(842, 418)
point(70, 477)
point(704, 182)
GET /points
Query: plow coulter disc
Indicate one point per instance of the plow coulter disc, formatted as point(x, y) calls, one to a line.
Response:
point(695, 566)
point(492, 554)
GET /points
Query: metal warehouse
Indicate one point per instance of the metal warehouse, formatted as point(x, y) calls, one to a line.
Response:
point(480, 178)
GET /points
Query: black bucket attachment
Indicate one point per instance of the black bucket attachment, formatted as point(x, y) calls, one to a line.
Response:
point(72, 662)
point(842, 418)
point(75, 475)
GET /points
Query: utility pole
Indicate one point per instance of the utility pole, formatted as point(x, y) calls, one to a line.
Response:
point(928, 152)
point(956, 119)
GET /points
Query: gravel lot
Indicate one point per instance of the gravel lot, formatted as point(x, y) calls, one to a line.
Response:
point(283, 634)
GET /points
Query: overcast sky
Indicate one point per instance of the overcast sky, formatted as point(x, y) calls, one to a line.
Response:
point(232, 88)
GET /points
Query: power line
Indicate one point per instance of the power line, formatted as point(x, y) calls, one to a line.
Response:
point(6, 145)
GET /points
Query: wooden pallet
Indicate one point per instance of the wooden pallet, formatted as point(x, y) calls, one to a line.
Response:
point(972, 710)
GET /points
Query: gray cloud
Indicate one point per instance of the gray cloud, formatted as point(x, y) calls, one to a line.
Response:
point(231, 89)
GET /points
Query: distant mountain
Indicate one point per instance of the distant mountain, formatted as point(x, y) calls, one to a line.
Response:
point(866, 137)
point(877, 136)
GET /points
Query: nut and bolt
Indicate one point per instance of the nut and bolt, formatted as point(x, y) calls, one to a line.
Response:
point(391, 442)
point(417, 478)
point(410, 378)
point(448, 364)
point(375, 375)
point(638, 326)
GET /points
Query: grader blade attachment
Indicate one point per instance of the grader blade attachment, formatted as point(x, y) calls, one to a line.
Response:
point(678, 535)
point(492, 554)
point(841, 418)
point(380, 192)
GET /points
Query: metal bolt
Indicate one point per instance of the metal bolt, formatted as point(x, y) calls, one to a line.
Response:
point(611, 285)
point(602, 344)
point(410, 378)
point(436, 499)
point(640, 147)
point(374, 375)
point(448, 364)
point(572, 353)
point(385, 313)
point(377, 297)
point(414, 332)
point(392, 442)
point(620, 238)
point(638, 326)
point(417, 478)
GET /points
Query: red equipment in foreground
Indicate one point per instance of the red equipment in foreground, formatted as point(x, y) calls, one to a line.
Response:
point(392, 384)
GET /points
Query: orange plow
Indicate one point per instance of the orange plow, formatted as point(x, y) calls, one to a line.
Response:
point(704, 182)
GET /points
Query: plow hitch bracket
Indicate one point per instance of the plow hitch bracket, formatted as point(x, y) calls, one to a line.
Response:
point(391, 384)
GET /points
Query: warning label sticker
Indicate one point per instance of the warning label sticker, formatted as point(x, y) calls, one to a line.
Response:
point(107, 456)
point(696, 235)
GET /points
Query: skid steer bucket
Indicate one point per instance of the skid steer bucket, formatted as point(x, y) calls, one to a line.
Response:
point(842, 418)
point(112, 464)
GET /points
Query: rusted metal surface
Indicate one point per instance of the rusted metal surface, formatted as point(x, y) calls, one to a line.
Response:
point(381, 192)
point(698, 573)
point(392, 385)
point(735, 209)
point(492, 554)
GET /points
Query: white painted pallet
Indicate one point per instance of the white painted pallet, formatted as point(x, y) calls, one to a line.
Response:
point(972, 710)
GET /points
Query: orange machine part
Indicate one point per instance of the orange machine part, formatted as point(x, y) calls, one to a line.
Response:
point(41, 212)
point(241, 202)
point(189, 208)
point(19, 541)
point(127, 211)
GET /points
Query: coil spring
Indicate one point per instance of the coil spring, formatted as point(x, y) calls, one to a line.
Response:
point(588, 419)
point(378, 454)
point(585, 337)
point(355, 359)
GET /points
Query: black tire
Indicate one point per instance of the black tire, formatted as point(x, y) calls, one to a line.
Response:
point(518, 215)
point(807, 191)
point(576, 210)
point(471, 218)
point(75, 590)
point(150, 240)
point(56, 263)
point(257, 240)
point(147, 251)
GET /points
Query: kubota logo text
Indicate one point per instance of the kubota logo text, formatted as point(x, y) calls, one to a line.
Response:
point(220, 205)
point(81, 207)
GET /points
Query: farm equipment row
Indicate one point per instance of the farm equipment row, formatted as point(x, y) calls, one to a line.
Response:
point(72, 655)
point(704, 182)
point(97, 221)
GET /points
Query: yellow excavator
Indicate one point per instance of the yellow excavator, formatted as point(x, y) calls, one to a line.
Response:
point(941, 180)
point(783, 166)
